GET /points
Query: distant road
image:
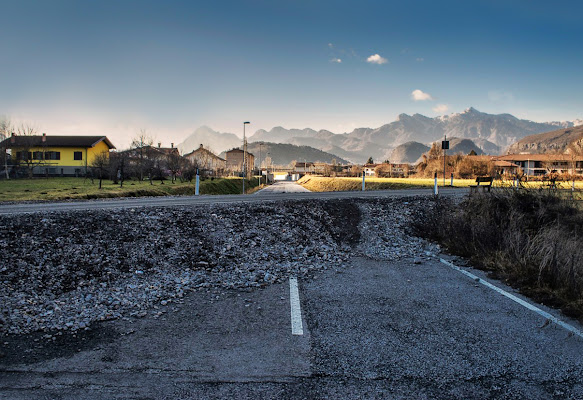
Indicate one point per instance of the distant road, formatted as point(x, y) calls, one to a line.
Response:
point(170, 201)
point(283, 187)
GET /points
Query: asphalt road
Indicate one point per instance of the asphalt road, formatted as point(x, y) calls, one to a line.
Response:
point(282, 187)
point(376, 329)
point(286, 193)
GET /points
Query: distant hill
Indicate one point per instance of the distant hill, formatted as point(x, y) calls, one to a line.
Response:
point(488, 147)
point(411, 152)
point(212, 140)
point(408, 152)
point(463, 146)
point(556, 141)
point(283, 154)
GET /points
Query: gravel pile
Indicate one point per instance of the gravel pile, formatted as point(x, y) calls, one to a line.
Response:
point(63, 271)
point(386, 230)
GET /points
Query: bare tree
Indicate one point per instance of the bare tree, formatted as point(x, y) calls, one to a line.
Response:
point(100, 165)
point(575, 150)
point(27, 142)
point(5, 127)
point(118, 163)
point(142, 145)
point(5, 132)
point(175, 162)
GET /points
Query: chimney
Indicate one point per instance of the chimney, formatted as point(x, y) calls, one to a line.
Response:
point(172, 145)
point(200, 146)
point(159, 144)
point(44, 138)
point(13, 138)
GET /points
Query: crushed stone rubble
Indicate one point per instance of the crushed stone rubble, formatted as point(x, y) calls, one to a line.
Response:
point(63, 271)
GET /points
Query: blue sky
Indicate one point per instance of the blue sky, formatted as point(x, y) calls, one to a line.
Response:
point(115, 67)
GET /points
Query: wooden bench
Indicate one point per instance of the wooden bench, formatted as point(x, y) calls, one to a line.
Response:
point(482, 182)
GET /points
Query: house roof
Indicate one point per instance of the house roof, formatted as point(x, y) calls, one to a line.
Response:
point(55, 141)
point(238, 151)
point(205, 151)
point(505, 164)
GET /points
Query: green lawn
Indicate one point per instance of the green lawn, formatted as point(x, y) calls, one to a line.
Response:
point(79, 188)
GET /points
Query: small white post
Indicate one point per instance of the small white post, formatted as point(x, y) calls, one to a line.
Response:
point(451, 180)
point(435, 191)
point(363, 175)
point(196, 187)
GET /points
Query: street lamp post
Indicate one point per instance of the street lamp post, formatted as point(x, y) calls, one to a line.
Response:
point(260, 144)
point(244, 155)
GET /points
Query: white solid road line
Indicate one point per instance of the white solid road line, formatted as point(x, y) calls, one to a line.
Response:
point(523, 303)
point(296, 311)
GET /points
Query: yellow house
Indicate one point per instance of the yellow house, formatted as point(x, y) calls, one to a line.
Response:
point(55, 155)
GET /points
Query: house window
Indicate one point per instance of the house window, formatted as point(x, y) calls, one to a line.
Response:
point(37, 155)
point(78, 155)
point(52, 155)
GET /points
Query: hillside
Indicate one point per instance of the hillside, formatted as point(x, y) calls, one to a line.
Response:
point(556, 141)
point(408, 152)
point(283, 154)
point(411, 152)
point(462, 146)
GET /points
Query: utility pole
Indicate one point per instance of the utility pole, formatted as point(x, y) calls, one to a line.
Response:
point(244, 155)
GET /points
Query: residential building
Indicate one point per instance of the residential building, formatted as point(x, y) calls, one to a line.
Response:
point(54, 155)
point(207, 161)
point(304, 167)
point(542, 164)
point(234, 161)
point(369, 169)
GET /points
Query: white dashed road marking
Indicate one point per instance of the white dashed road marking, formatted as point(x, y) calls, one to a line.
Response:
point(523, 303)
point(296, 311)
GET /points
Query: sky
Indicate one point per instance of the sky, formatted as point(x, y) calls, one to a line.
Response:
point(116, 67)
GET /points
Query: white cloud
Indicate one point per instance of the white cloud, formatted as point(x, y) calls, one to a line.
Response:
point(336, 60)
point(419, 95)
point(330, 45)
point(440, 108)
point(420, 59)
point(377, 59)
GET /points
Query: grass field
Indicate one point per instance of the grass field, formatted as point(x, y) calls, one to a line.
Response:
point(323, 184)
point(79, 188)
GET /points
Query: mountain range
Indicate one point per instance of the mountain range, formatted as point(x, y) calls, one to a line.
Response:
point(285, 153)
point(492, 133)
point(557, 141)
